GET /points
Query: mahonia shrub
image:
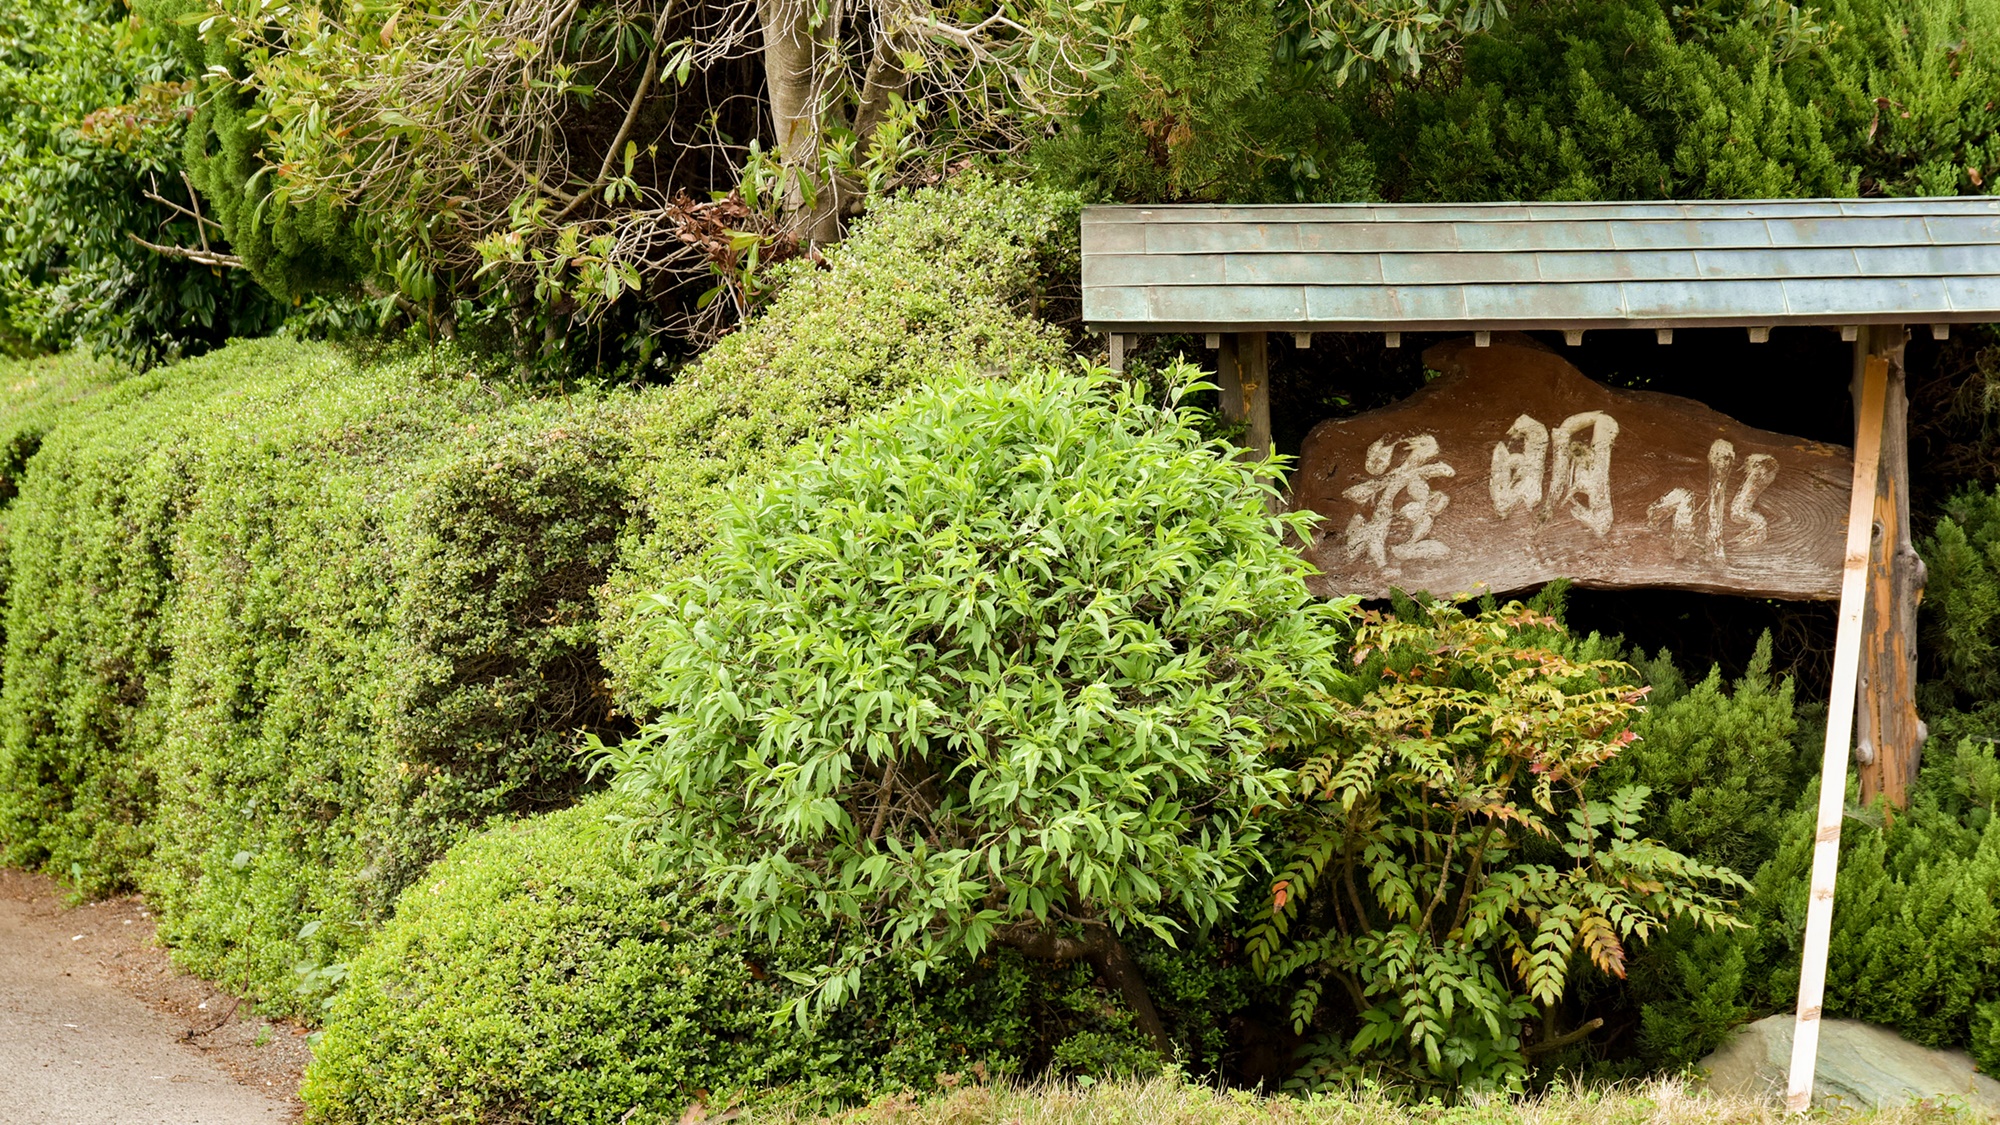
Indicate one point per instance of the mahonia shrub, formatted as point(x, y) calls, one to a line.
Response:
point(1450, 862)
point(1005, 666)
point(546, 972)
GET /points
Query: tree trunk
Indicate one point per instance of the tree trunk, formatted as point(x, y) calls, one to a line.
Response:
point(791, 70)
point(1888, 735)
point(794, 63)
point(1114, 965)
point(1119, 971)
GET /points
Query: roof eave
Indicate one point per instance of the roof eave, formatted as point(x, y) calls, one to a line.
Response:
point(1154, 327)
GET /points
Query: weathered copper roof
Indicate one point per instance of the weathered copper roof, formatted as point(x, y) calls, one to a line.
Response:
point(1417, 267)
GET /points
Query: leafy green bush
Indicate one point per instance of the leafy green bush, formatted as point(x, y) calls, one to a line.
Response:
point(1961, 608)
point(1726, 766)
point(1723, 763)
point(292, 250)
point(1453, 854)
point(282, 629)
point(1618, 99)
point(543, 972)
point(1002, 667)
point(930, 282)
point(1600, 99)
point(1915, 923)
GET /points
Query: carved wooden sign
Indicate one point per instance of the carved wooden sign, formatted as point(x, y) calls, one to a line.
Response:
point(1513, 468)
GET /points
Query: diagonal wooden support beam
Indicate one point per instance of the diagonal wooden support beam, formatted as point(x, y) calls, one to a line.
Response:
point(1839, 730)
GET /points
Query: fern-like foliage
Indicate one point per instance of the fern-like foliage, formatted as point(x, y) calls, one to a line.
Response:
point(1450, 867)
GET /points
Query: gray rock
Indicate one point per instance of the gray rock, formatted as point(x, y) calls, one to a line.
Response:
point(1860, 1067)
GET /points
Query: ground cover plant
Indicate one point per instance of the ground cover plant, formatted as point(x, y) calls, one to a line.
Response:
point(1667, 1101)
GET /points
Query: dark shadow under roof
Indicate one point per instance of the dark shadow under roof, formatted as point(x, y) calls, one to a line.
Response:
point(1430, 267)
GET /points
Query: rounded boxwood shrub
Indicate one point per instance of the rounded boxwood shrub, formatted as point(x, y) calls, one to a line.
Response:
point(542, 973)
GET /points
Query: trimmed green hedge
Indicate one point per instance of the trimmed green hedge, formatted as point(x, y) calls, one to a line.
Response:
point(35, 394)
point(542, 973)
point(385, 636)
point(90, 538)
point(284, 627)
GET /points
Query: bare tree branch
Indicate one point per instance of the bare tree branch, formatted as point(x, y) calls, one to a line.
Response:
point(624, 131)
point(199, 257)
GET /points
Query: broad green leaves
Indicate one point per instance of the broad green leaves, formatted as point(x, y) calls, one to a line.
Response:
point(1008, 660)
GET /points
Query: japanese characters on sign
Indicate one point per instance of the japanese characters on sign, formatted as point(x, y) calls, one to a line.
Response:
point(1513, 469)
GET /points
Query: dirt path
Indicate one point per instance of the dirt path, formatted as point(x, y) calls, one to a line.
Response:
point(96, 1026)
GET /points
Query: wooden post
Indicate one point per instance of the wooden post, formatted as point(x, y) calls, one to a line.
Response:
point(1243, 376)
point(1115, 347)
point(1253, 355)
point(1888, 736)
point(1839, 725)
point(1229, 379)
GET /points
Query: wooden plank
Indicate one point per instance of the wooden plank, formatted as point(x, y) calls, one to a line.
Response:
point(1889, 736)
point(1513, 469)
point(1839, 724)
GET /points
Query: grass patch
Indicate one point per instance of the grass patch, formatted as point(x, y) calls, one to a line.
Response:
point(1665, 1101)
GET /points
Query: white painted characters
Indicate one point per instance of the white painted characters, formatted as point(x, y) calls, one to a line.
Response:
point(1721, 510)
point(1548, 474)
point(1370, 534)
point(1579, 481)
